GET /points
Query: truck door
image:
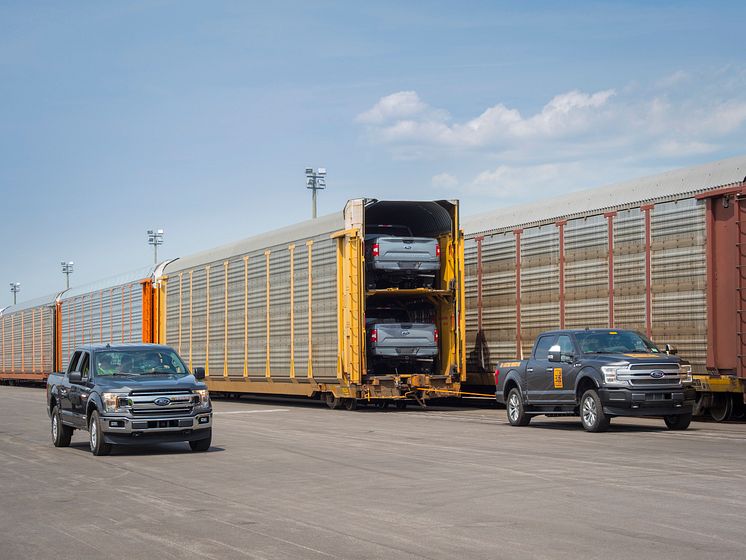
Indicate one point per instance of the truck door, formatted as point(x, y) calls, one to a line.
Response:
point(539, 384)
point(79, 391)
point(564, 379)
point(63, 391)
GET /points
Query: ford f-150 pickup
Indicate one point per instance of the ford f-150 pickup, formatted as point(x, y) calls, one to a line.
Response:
point(395, 258)
point(129, 394)
point(597, 374)
point(396, 344)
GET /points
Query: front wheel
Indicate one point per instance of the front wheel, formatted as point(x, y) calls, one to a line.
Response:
point(516, 412)
point(678, 421)
point(201, 444)
point(61, 434)
point(592, 413)
point(96, 438)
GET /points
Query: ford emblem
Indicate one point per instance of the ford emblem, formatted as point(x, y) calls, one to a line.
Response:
point(162, 401)
point(405, 333)
point(657, 374)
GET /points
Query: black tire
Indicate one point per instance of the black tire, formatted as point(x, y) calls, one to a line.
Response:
point(592, 412)
point(678, 421)
point(721, 407)
point(95, 438)
point(61, 434)
point(201, 445)
point(332, 401)
point(516, 411)
point(350, 404)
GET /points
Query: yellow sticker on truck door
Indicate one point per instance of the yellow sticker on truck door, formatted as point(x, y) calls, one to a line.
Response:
point(558, 378)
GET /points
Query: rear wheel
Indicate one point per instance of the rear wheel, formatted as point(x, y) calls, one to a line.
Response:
point(332, 401)
point(61, 434)
point(201, 444)
point(678, 421)
point(592, 413)
point(516, 412)
point(96, 437)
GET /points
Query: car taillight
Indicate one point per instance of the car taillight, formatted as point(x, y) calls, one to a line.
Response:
point(376, 249)
point(497, 376)
point(436, 336)
point(374, 335)
point(437, 250)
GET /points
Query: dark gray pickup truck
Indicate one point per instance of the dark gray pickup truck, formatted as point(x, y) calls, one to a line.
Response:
point(597, 374)
point(397, 344)
point(129, 394)
point(395, 258)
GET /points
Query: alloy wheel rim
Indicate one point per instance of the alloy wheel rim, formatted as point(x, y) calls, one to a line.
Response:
point(589, 411)
point(513, 407)
point(94, 434)
point(54, 426)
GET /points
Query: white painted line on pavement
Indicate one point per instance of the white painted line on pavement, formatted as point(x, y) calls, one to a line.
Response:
point(251, 411)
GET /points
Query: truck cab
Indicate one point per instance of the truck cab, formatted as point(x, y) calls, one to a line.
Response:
point(129, 394)
point(597, 374)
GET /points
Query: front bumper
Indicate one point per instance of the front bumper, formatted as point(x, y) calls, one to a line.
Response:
point(647, 402)
point(156, 429)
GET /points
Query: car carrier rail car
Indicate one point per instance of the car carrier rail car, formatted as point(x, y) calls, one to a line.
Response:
point(282, 313)
point(662, 255)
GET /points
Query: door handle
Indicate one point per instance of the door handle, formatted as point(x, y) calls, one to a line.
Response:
point(530, 370)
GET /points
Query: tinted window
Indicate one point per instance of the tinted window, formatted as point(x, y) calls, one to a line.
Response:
point(566, 345)
point(73, 362)
point(84, 364)
point(542, 347)
point(614, 342)
point(139, 362)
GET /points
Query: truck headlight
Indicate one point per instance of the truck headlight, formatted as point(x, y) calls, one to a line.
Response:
point(685, 373)
point(204, 397)
point(114, 402)
point(610, 373)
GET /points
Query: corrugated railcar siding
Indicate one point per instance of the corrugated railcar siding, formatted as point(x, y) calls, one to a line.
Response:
point(324, 308)
point(198, 313)
point(498, 285)
point(679, 272)
point(216, 317)
point(301, 310)
point(279, 313)
point(539, 283)
point(586, 273)
point(629, 270)
point(470, 293)
point(26, 341)
point(257, 315)
point(237, 286)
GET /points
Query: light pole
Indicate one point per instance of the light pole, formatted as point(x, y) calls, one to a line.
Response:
point(15, 287)
point(67, 270)
point(155, 238)
point(315, 181)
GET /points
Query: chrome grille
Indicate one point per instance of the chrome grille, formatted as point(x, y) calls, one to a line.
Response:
point(144, 402)
point(639, 375)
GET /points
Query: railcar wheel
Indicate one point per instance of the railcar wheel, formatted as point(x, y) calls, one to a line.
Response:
point(332, 401)
point(721, 407)
point(401, 404)
point(350, 404)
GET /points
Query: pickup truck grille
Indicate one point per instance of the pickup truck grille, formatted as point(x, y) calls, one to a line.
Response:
point(640, 375)
point(161, 403)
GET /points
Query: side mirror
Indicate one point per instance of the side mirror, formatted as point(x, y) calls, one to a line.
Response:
point(671, 349)
point(74, 377)
point(555, 354)
point(199, 373)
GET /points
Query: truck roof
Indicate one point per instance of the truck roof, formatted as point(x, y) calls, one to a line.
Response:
point(123, 346)
point(578, 331)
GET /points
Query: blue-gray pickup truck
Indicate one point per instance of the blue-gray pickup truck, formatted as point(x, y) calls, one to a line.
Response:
point(395, 258)
point(597, 374)
point(129, 394)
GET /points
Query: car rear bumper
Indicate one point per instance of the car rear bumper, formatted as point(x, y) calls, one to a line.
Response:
point(406, 266)
point(651, 402)
point(396, 352)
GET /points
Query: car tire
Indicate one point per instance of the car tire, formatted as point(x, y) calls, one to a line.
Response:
point(592, 414)
point(516, 411)
point(678, 421)
point(96, 438)
point(61, 434)
point(201, 445)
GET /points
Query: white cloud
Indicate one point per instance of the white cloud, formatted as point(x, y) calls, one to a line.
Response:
point(444, 181)
point(395, 106)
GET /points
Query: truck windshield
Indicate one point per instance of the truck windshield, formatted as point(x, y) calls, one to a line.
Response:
point(614, 342)
point(139, 362)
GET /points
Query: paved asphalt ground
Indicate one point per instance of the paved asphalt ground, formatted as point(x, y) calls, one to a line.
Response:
point(296, 480)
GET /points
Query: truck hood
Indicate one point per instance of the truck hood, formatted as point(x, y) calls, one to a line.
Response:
point(638, 358)
point(149, 382)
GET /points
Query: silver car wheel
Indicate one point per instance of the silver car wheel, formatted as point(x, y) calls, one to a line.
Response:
point(513, 407)
point(589, 411)
point(94, 434)
point(54, 427)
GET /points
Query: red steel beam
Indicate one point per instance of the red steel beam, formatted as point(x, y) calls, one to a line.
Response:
point(518, 345)
point(648, 271)
point(610, 219)
point(561, 225)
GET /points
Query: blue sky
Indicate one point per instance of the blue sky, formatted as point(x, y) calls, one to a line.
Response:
point(200, 117)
